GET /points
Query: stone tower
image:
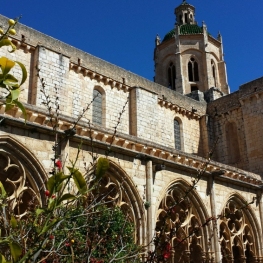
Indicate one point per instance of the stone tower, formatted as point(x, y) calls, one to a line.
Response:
point(189, 59)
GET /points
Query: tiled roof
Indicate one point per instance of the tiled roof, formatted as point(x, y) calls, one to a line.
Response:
point(169, 35)
point(188, 29)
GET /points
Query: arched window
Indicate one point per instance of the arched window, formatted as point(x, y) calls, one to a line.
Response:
point(193, 74)
point(232, 143)
point(97, 107)
point(177, 135)
point(213, 72)
point(171, 76)
point(237, 236)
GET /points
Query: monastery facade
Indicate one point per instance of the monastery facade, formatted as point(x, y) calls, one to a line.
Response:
point(166, 131)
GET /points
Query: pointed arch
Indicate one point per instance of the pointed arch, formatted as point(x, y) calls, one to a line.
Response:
point(188, 238)
point(17, 163)
point(193, 70)
point(127, 198)
point(240, 222)
point(214, 72)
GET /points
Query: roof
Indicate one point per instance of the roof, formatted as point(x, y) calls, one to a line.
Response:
point(186, 29)
point(169, 35)
point(189, 29)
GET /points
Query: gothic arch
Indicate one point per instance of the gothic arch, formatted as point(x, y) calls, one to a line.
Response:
point(239, 231)
point(189, 240)
point(20, 169)
point(214, 57)
point(127, 197)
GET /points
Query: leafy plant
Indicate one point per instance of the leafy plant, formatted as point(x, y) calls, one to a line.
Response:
point(10, 86)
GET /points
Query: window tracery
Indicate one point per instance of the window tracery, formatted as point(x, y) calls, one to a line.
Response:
point(236, 236)
point(193, 72)
point(21, 193)
point(182, 228)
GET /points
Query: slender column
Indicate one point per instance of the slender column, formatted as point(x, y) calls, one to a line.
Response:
point(261, 220)
point(149, 190)
point(215, 226)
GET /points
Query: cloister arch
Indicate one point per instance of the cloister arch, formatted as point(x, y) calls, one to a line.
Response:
point(21, 170)
point(183, 228)
point(239, 231)
point(125, 195)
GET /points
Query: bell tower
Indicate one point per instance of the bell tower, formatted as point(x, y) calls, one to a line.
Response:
point(189, 59)
point(185, 14)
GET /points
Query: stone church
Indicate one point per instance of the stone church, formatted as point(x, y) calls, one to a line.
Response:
point(166, 131)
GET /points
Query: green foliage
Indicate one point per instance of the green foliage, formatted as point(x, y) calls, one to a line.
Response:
point(9, 84)
point(69, 227)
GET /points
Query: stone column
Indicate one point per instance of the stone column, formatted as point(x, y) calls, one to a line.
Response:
point(215, 225)
point(149, 190)
point(260, 201)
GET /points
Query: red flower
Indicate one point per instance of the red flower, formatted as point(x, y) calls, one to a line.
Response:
point(67, 244)
point(47, 193)
point(53, 196)
point(51, 237)
point(58, 164)
point(167, 251)
point(166, 255)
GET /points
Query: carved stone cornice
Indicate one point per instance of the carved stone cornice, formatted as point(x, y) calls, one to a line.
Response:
point(128, 144)
point(174, 107)
point(78, 68)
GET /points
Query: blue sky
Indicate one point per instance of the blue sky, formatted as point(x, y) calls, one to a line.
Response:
point(123, 31)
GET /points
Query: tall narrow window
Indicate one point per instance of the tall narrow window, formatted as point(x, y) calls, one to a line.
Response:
point(213, 72)
point(177, 135)
point(97, 107)
point(171, 76)
point(193, 74)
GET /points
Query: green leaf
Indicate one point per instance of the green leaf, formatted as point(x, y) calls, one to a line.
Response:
point(60, 177)
point(51, 184)
point(102, 167)
point(2, 259)
point(13, 222)
point(24, 72)
point(49, 226)
point(39, 211)
point(21, 107)
point(16, 250)
point(3, 192)
point(7, 42)
point(79, 180)
point(10, 80)
point(6, 65)
point(66, 197)
point(15, 93)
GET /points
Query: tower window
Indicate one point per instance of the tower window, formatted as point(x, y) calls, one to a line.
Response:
point(185, 18)
point(213, 72)
point(97, 107)
point(193, 74)
point(171, 76)
point(177, 135)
